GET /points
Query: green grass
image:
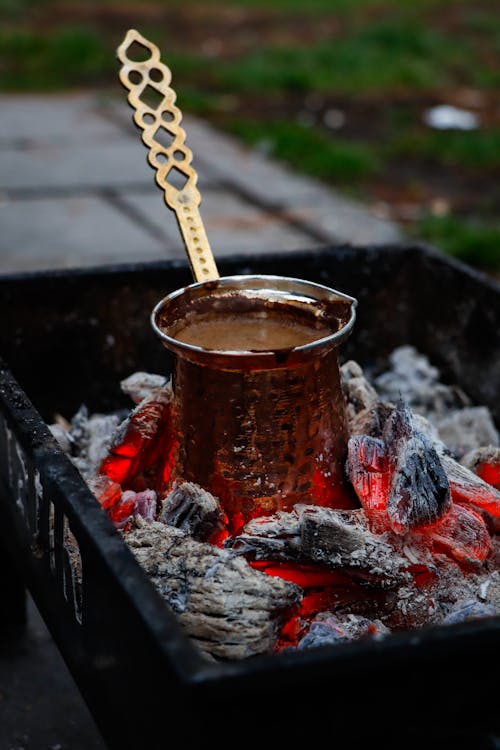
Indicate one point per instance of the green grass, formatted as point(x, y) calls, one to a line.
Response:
point(478, 149)
point(398, 53)
point(310, 151)
point(69, 57)
point(347, 8)
point(472, 240)
point(382, 56)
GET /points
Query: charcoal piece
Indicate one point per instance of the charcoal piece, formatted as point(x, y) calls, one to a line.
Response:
point(467, 429)
point(144, 443)
point(359, 394)
point(322, 632)
point(419, 490)
point(461, 533)
point(414, 607)
point(371, 421)
point(275, 537)
point(482, 457)
point(331, 628)
point(142, 503)
point(192, 509)
point(329, 537)
point(468, 488)
point(140, 384)
point(470, 610)
point(367, 467)
point(228, 609)
point(87, 438)
point(342, 538)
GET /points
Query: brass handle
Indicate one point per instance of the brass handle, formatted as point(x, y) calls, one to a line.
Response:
point(156, 114)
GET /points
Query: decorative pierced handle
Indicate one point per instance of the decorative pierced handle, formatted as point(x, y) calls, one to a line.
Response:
point(159, 119)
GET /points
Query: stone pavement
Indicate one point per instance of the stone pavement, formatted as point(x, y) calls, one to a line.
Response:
point(76, 190)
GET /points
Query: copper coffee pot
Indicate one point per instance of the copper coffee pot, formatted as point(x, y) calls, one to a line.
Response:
point(262, 430)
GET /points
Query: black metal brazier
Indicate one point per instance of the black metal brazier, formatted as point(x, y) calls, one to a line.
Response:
point(68, 338)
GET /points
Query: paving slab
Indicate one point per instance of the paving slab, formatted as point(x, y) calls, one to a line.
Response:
point(76, 190)
point(267, 183)
point(41, 707)
point(61, 119)
point(72, 232)
point(232, 225)
point(46, 166)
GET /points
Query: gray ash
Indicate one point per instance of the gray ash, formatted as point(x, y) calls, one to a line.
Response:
point(430, 556)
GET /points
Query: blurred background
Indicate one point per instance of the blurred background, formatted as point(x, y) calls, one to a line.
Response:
point(394, 103)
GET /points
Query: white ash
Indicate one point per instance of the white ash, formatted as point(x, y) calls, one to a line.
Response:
point(228, 609)
point(139, 385)
point(62, 436)
point(411, 377)
point(233, 611)
point(467, 429)
point(462, 426)
point(87, 439)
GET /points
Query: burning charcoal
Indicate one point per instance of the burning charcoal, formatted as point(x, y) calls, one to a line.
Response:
point(323, 631)
point(328, 537)
point(358, 392)
point(371, 421)
point(121, 506)
point(467, 429)
point(139, 385)
point(369, 472)
point(343, 538)
point(99, 433)
point(86, 439)
point(485, 463)
point(419, 491)
point(275, 537)
point(471, 610)
point(107, 492)
point(413, 608)
point(229, 610)
point(142, 454)
point(144, 503)
point(328, 628)
point(194, 510)
point(468, 488)
point(460, 533)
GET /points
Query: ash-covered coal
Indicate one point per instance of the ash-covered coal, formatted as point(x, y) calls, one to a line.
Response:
point(421, 548)
point(461, 425)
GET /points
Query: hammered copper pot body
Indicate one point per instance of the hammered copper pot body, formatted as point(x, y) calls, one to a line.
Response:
point(260, 430)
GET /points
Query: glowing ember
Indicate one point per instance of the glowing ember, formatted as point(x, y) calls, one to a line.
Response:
point(142, 455)
point(408, 540)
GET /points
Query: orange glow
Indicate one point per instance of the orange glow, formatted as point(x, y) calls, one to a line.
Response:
point(490, 473)
point(305, 576)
